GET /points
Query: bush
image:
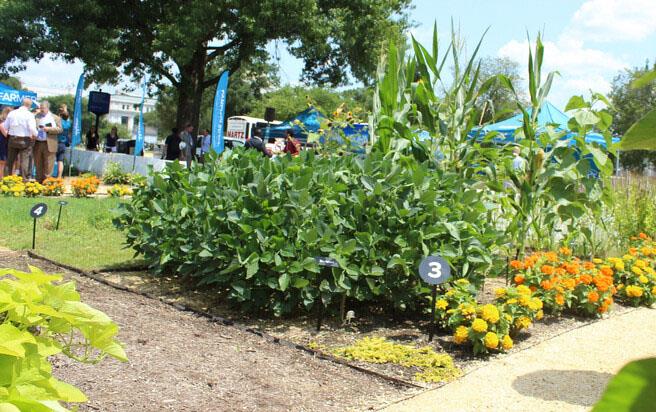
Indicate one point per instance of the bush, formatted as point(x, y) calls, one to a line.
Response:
point(114, 174)
point(254, 226)
point(635, 272)
point(53, 186)
point(40, 317)
point(85, 186)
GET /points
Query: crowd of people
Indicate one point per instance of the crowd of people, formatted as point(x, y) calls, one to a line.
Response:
point(33, 140)
point(183, 146)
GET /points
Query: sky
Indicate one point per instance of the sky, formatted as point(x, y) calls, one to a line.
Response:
point(587, 41)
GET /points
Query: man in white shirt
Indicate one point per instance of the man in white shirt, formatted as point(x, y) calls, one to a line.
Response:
point(45, 147)
point(21, 131)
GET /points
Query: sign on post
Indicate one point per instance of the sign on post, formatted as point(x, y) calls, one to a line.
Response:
point(37, 211)
point(434, 270)
point(61, 203)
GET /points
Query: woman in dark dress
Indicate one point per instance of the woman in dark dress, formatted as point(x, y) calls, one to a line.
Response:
point(110, 140)
point(92, 139)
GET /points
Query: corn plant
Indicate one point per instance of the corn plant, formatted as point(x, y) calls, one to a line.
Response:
point(558, 187)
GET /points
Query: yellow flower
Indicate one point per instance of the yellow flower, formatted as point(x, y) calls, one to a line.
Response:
point(633, 291)
point(479, 325)
point(523, 322)
point(462, 282)
point(619, 266)
point(441, 304)
point(641, 263)
point(539, 315)
point(511, 301)
point(535, 304)
point(491, 340)
point(597, 261)
point(450, 293)
point(490, 313)
point(468, 310)
point(524, 300)
point(636, 269)
point(653, 290)
point(506, 343)
point(524, 290)
point(460, 336)
point(627, 257)
point(643, 279)
point(500, 292)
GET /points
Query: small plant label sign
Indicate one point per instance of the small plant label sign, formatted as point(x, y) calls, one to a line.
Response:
point(326, 262)
point(38, 210)
point(434, 270)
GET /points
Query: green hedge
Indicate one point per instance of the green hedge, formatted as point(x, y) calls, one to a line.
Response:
point(254, 225)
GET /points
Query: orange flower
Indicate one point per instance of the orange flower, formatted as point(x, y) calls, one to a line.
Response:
point(633, 251)
point(606, 271)
point(585, 278)
point(546, 285)
point(569, 283)
point(560, 299)
point(533, 288)
point(519, 279)
point(593, 296)
point(643, 236)
point(588, 265)
point(602, 309)
point(516, 264)
point(548, 270)
point(565, 251)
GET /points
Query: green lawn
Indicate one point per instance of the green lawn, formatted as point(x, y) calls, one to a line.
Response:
point(86, 237)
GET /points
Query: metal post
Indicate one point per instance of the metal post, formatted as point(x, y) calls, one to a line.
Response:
point(59, 216)
point(431, 330)
point(34, 234)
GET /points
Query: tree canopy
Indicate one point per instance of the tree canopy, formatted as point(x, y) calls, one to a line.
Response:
point(187, 44)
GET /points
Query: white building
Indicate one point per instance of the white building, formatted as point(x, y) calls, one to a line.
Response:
point(124, 109)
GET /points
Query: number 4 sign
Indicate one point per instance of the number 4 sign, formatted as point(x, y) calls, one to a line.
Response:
point(434, 270)
point(37, 211)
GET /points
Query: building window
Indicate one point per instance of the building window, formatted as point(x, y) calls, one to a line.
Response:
point(124, 120)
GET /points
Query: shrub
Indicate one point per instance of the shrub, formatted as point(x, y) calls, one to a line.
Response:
point(40, 317)
point(254, 226)
point(114, 174)
point(53, 186)
point(85, 186)
point(119, 191)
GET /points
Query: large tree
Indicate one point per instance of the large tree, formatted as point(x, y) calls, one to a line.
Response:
point(498, 101)
point(186, 44)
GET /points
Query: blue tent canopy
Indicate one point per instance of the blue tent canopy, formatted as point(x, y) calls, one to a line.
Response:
point(310, 119)
point(549, 115)
point(13, 97)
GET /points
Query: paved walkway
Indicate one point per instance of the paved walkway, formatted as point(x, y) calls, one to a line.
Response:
point(567, 373)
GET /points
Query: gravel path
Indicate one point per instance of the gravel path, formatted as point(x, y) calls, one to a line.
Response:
point(180, 362)
point(567, 373)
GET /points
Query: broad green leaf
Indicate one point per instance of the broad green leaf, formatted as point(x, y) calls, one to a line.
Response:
point(642, 135)
point(632, 389)
point(283, 281)
point(12, 340)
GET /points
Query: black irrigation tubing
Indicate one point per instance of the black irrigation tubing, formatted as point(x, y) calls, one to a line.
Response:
point(95, 275)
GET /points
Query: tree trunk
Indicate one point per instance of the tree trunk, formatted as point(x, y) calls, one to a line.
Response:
point(190, 90)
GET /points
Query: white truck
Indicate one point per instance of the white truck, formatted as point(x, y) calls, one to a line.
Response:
point(241, 128)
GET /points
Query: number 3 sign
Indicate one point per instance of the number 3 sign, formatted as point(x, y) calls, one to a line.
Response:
point(434, 270)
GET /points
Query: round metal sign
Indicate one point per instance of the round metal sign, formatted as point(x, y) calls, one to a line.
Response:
point(38, 210)
point(62, 203)
point(434, 270)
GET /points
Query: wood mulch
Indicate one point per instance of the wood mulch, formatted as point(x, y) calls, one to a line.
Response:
point(182, 362)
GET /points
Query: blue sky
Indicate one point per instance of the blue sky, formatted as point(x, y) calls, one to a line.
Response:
point(587, 41)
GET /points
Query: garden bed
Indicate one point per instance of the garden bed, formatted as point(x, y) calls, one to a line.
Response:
point(333, 334)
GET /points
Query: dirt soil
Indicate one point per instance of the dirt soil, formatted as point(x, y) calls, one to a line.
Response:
point(368, 322)
point(182, 362)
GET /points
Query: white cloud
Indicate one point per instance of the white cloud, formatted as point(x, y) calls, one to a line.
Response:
point(614, 20)
point(51, 77)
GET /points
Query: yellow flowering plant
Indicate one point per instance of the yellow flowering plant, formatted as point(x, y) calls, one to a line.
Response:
point(33, 189)
point(12, 186)
point(119, 191)
point(635, 272)
point(461, 298)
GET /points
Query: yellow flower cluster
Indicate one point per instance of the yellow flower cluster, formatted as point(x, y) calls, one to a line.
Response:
point(33, 189)
point(53, 186)
point(435, 367)
point(119, 191)
point(633, 291)
point(12, 186)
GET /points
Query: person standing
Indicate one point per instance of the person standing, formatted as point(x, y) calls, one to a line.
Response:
point(172, 145)
point(189, 147)
point(3, 140)
point(45, 147)
point(93, 139)
point(205, 144)
point(64, 139)
point(21, 132)
point(292, 146)
point(111, 140)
